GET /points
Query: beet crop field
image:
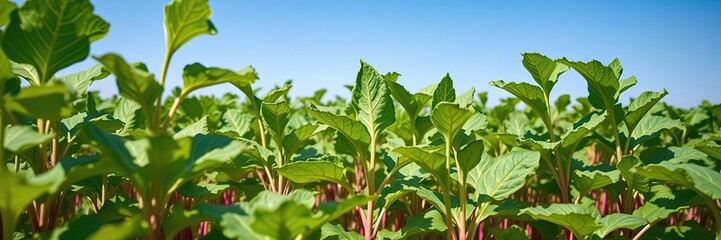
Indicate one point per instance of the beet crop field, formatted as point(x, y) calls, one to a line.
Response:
point(386, 163)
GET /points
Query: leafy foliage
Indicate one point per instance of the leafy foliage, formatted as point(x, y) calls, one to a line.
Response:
point(385, 164)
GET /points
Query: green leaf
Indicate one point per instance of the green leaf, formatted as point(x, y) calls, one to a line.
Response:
point(297, 138)
point(575, 134)
point(276, 93)
point(80, 81)
point(543, 70)
point(466, 99)
point(430, 161)
point(701, 179)
point(587, 181)
point(603, 84)
point(532, 95)
point(235, 123)
point(315, 170)
point(6, 7)
point(198, 127)
point(650, 126)
point(372, 101)
point(185, 20)
point(653, 212)
point(430, 221)
point(513, 232)
point(180, 218)
point(351, 129)
point(50, 102)
point(52, 35)
point(444, 92)
point(469, 156)
point(196, 76)
point(405, 98)
point(276, 117)
point(625, 84)
point(615, 221)
point(582, 220)
point(19, 138)
point(18, 192)
point(128, 112)
point(506, 174)
point(337, 232)
point(635, 180)
point(133, 82)
point(449, 118)
point(640, 106)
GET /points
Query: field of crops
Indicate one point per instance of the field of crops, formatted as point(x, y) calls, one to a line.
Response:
point(158, 163)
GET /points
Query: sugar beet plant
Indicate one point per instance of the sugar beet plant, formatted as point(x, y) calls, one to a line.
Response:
point(154, 163)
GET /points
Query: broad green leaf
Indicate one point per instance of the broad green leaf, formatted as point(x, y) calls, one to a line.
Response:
point(506, 174)
point(695, 117)
point(337, 232)
point(50, 102)
point(582, 220)
point(180, 218)
point(297, 138)
point(640, 106)
point(701, 179)
point(513, 232)
point(6, 7)
point(430, 221)
point(675, 155)
point(625, 84)
point(543, 70)
point(466, 99)
point(6, 71)
point(198, 127)
point(196, 76)
point(276, 117)
point(101, 227)
point(52, 35)
point(27, 71)
point(202, 190)
point(128, 112)
point(185, 20)
point(235, 123)
point(575, 134)
point(615, 221)
point(469, 156)
point(17, 193)
point(315, 170)
point(587, 181)
point(430, 161)
point(603, 84)
point(329, 211)
point(449, 118)
point(133, 83)
point(237, 226)
point(80, 81)
point(633, 179)
point(353, 130)
point(653, 212)
point(19, 138)
point(276, 93)
point(402, 95)
point(444, 92)
point(372, 101)
point(562, 102)
point(650, 126)
point(533, 96)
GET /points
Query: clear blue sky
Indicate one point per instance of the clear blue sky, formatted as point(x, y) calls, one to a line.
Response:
point(666, 44)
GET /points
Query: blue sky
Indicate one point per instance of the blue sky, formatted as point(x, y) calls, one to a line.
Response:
point(665, 44)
